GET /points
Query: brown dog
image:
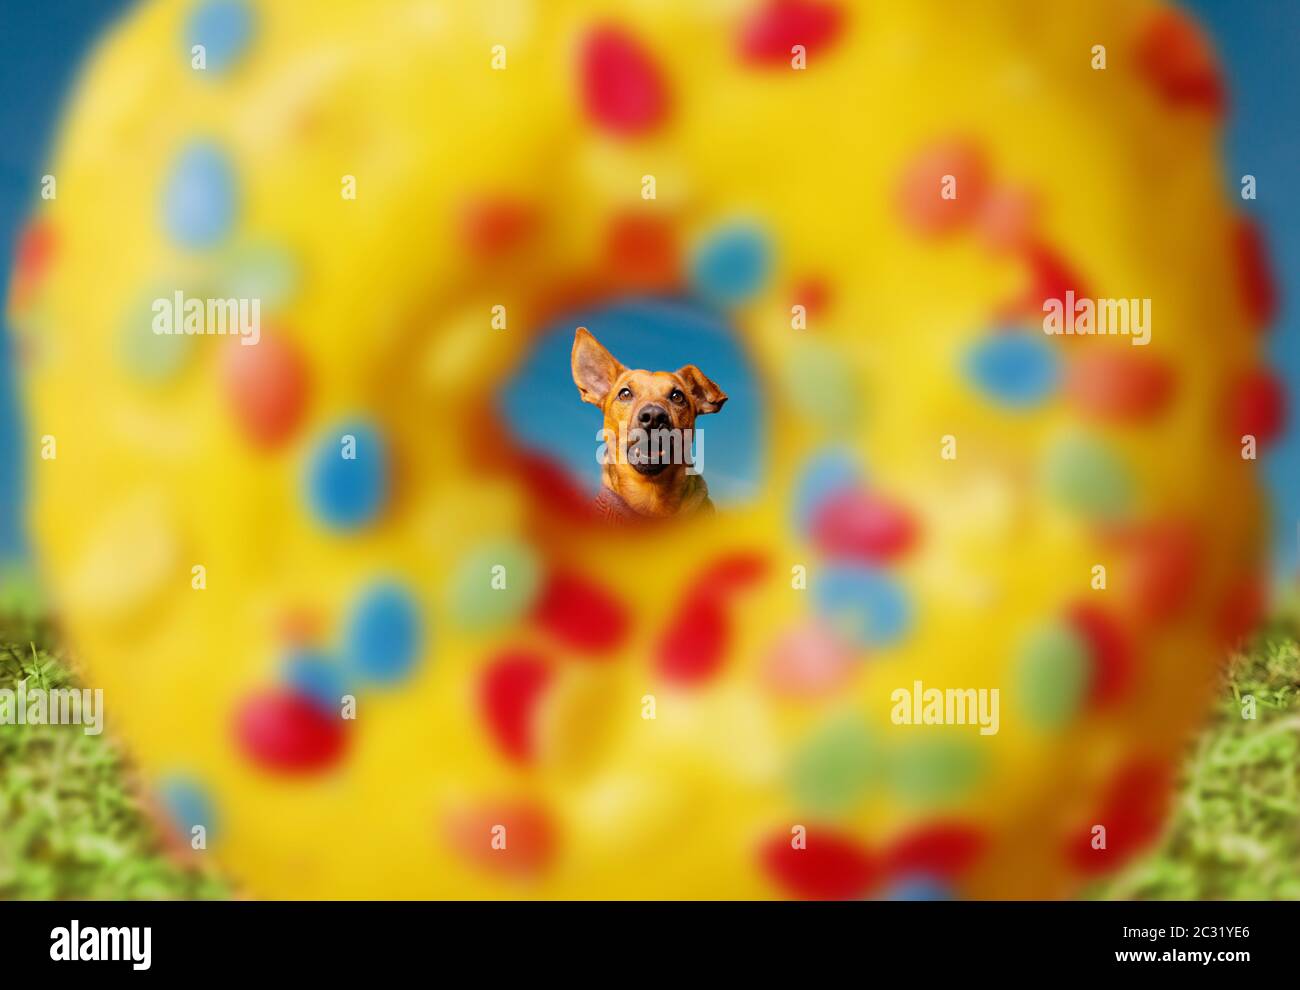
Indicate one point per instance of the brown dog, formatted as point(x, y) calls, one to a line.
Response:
point(650, 425)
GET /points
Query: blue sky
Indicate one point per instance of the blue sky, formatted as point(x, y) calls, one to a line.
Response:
point(41, 44)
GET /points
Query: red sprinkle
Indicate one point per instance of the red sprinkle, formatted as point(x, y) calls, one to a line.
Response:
point(730, 574)
point(1133, 811)
point(623, 89)
point(490, 228)
point(509, 692)
point(943, 849)
point(580, 613)
point(642, 250)
point(267, 386)
point(529, 837)
point(1050, 277)
point(553, 488)
point(1242, 610)
point(1006, 220)
point(1111, 651)
point(1258, 287)
point(1257, 406)
point(920, 198)
point(1120, 387)
point(833, 866)
point(1177, 60)
point(34, 252)
point(1163, 566)
point(813, 294)
point(286, 733)
point(694, 647)
point(862, 526)
point(769, 35)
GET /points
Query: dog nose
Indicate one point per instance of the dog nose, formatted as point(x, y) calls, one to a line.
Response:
point(653, 418)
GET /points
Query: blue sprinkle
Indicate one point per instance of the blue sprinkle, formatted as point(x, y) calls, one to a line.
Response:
point(199, 197)
point(828, 473)
point(187, 804)
point(317, 677)
point(1016, 369)
point(384, 634)
point(919, 887)
point(731, 265)
point(223, 28)
point(346, 492)
point(863, 603)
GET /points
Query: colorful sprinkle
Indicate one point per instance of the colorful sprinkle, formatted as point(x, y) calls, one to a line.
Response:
point(1111, 659)
point(918, 887)
point(693, 648)
point(347, 478)
point(807, 661)
point(187, 804)
point(929, 771)
point(642, 250)
point(863, 604)
point(1120, 387)
point(858, 525)
point(1016, 370)
point(34, 252)
point(1132, 812)
point(147, 356)
point(515, 839)
point(384, 634)
point(1053, 676)
point(1007, 218)
point(728, 574)
point(1257, 407)
point(224, 28)
point(1085, 476)
point(821, 385)
point(1163, 561)
point(623, 89)
point(832, 865)
point(580, 613)
point(199, 197)
point(495, 584)
point(942, 849)
point(1050, 277)
point(509, 692)
point(1177, 60)
point(261, 271)
point(317, 676)
point(768, 36)
point(267, 385)
point(1255, 274)
point(284, 732)
point(835, 768)
point(1242, 609)
point(492, 227)
point(731, 265)
point(929, 202)
point(828, 473)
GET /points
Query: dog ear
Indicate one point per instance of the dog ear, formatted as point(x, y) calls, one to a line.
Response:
point(594, 368)
point(708, 397)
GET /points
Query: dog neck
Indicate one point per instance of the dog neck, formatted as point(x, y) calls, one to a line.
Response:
point(666, 494)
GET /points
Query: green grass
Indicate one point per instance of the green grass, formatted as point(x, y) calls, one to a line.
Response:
point(1235, 829)
point(72, 824)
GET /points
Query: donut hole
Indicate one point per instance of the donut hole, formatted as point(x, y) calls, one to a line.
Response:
point(541, 407)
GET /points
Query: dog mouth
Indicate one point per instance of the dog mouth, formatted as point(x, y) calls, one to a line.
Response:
point(648, 458)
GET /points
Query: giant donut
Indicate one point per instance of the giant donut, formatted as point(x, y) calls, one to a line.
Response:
point(878, 199)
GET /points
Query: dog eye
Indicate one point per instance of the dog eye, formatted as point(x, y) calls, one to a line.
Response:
point(625, 393)
point(676, 395)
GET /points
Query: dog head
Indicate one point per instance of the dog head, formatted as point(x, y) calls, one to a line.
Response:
point(639, 406)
